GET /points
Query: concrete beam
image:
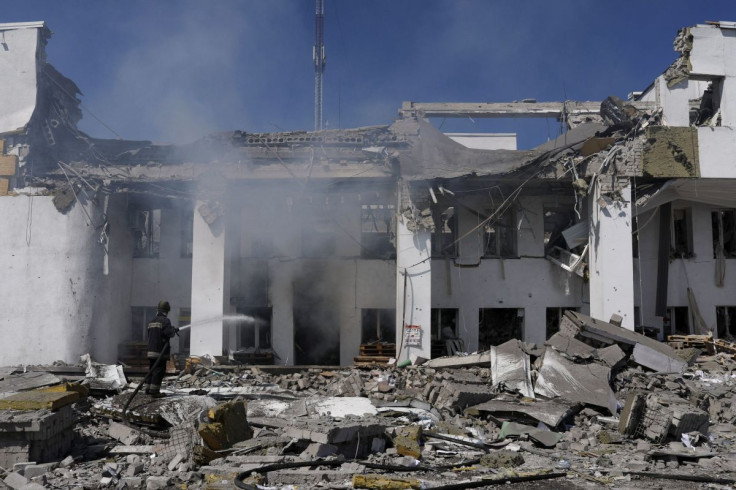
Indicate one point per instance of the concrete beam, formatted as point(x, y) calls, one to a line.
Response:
point(506, 109)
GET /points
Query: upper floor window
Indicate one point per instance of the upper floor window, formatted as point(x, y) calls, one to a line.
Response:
point(499, 235)
point(681, 243)
point(145, 224)
point(444, 238)
point(724, 233)
point(377, 231)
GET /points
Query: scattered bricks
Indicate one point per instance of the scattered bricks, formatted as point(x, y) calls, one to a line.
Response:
point(15, 480)
point(122, 433)
point(383, 482)
point(34, 470)
point(229, 425)
point(502, 459)
point(608, 437)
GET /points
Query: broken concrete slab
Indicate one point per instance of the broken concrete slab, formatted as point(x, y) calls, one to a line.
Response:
point(612, 356)
point(38, 400)
point(227, 425)
point(570, 346)
point(478, 359)
point(122, 433)
point(656, 361)
point(583, 383)
point(510, 368)
point(659, 416)
point(549, 412)
point(31, 380)
point(106, 377)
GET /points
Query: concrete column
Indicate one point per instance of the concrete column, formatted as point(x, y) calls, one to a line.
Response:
point(282, 299)
point(413, 288)
point(208, 285)
point(610, 257)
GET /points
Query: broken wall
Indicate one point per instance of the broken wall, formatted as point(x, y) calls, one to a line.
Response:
point(529, 281)
point(697, 272)
point(57, 303)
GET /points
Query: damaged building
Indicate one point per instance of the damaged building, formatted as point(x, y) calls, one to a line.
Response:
point(319, 248)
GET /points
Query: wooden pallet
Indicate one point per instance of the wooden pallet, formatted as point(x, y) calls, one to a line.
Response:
point(705, 342)
point(378, 349)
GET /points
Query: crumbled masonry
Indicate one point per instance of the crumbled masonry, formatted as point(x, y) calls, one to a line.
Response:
point(384, 426)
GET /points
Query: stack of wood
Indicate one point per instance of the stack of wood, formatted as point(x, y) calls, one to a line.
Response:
point(375, 353)
point(704, 342)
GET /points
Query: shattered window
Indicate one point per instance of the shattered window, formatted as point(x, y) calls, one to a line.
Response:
point(378, 324)
point(253, 328)
point(499, 235)
point(444, 238)
point(677, 321)
point(146, 229)
point(724, 233)
point(377, 231)
point(682, 239)
point(554, 317)
point(556, 219)
point(187, 234)
point(726, 322)
point(444, 323)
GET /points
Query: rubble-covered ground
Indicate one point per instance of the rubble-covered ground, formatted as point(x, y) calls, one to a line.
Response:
point(576, 413)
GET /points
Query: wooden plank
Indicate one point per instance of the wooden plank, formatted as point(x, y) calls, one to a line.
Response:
point(8, 165)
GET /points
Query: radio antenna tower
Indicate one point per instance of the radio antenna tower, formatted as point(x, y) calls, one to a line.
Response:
point(318, 53)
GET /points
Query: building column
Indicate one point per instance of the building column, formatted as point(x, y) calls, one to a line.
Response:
point(282, 320)
point(413, 289)
point(210, 287)
point(610, 252)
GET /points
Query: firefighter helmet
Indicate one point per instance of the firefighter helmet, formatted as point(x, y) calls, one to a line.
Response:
point(164, 306)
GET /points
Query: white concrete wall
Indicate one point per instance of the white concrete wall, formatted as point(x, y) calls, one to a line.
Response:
point(57, 303)
point(717, 152)
point(19, 72)
point(611, 262)
point(209, 290)
point(697, 272)
point(530, 282)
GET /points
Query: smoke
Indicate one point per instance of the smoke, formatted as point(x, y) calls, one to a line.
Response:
point(201, 67)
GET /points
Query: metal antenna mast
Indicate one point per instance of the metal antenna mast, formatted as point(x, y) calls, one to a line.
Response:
point(318, 53)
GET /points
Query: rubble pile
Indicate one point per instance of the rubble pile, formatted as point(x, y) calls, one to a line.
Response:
point(596, 405)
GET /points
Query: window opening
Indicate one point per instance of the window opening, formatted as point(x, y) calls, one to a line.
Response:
point(724, 232)
point(726, 322)
point(681, 239)
point(499, 235)
point(499, 325)
point(377, 235)
point(378, 324)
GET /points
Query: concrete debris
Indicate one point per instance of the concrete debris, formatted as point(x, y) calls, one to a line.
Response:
point(598, 408)
point(103, 376)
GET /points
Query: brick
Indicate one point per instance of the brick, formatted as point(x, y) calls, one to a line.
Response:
point(38, 400)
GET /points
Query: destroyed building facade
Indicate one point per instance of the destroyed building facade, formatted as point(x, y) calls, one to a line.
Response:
point(309, 244)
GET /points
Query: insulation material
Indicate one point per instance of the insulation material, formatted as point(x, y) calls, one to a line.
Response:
point(582, 383)
point(511, 369)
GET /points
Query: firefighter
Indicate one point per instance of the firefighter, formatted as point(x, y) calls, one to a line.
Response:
point(160, 332)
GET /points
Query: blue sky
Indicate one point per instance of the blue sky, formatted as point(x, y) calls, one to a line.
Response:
point(173, 70)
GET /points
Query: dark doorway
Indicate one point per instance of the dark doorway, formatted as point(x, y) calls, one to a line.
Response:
point(498, 325)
